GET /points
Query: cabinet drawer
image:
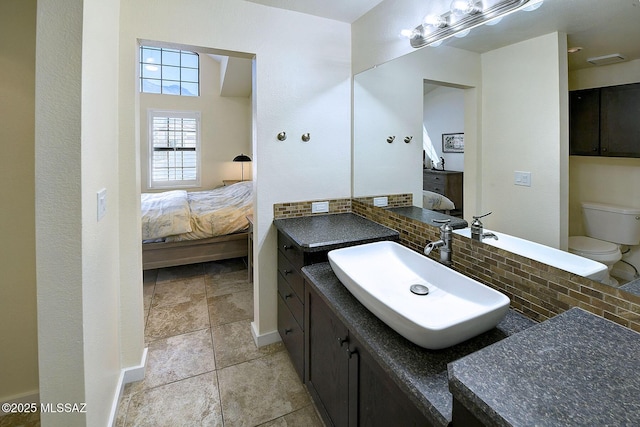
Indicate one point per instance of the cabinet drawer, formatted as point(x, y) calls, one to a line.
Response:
point(433, 179)
point(292, 337)
point(290, 250)
point(291, 275)
point(291, 300)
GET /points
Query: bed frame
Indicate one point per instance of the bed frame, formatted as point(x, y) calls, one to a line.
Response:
point(159, 255)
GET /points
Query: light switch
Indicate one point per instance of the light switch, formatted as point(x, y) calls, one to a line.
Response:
point(102, 203)
point(522, 178)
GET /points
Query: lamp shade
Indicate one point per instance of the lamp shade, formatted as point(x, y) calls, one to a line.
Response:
point(242, 158)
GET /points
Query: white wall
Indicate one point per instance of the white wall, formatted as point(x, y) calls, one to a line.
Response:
point(78, 268)
point(444, 113)
point(525, 128)
point(225, 127)
point(302, 85)
point(18, 316)
point(388, 100)
point(605, 179)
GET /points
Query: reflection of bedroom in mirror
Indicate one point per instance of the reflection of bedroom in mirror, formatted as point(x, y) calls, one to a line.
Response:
point(195, 117)
point(443, 166)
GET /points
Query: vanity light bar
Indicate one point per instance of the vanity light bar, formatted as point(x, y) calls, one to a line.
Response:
point(419, 39)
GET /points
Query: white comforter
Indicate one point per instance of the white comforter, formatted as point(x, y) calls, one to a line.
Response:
point(212, 213)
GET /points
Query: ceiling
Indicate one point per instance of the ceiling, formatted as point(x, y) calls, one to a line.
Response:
point(600, 27)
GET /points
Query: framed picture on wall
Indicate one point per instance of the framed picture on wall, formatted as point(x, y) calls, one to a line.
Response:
point(453, 142)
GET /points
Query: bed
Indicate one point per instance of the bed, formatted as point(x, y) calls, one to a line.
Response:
point(180, 227)
point(436, 202)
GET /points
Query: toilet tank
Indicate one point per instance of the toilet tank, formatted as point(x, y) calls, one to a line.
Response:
point(613, 223)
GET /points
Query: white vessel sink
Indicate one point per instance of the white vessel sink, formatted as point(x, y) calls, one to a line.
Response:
point(566, 261)
point(456, 308)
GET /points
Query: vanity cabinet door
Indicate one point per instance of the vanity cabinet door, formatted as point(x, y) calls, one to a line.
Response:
point(380, 402)
point(327, 362)
point(584, 122)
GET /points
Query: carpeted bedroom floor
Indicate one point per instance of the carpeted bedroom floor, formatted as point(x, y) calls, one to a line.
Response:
point(203, 368)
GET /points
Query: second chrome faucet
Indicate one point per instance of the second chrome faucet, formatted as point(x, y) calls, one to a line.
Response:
point(477, 229)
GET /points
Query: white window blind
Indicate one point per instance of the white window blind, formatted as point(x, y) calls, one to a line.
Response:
point(174, 143)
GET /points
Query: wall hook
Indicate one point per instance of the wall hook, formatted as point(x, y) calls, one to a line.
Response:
point(282, 136)
point(391, 139)
point(407, 139)
point(306, 137)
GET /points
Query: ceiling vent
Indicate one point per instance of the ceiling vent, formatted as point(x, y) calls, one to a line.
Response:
point(606, 59)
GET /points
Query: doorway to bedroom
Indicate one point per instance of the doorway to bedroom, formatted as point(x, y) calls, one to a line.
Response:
point(196, 146)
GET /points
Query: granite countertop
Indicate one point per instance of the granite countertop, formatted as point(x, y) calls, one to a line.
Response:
point(421, 373)
point(326, 232)
point(632, 287)
point(427, 216)
point(574, 369)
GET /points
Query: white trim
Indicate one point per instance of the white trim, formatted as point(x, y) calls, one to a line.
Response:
point(264, 339)
point(127, 375)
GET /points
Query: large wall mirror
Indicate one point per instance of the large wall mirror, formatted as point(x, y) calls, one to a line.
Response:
point(511, 84)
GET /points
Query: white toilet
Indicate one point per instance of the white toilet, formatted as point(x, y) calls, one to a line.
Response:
point(607, 227)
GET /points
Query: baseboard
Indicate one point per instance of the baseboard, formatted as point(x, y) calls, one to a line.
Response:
point(32, 396)
point(127, 375)
point(264, 339)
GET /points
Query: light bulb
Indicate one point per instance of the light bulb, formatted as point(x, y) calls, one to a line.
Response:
point(461, 8)
point(435, 21)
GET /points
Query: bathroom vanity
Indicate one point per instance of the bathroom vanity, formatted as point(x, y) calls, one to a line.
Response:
point(361, 372)
point(304, 241)
point(574, 369)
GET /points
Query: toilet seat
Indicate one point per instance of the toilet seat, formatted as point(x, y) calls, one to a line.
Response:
point(595, 249)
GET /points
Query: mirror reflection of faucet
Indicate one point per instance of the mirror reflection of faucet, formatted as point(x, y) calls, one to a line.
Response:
point(477, 229)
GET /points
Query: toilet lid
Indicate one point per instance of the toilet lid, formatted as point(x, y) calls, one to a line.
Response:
point(590, 245)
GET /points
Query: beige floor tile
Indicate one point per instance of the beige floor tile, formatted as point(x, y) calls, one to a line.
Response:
point(190, 402)
point(123, 405)
point(179, 357)
point(260, 390)
point(231, 307)
point(227, 283)
point(180, 272)
point(149, 276)
point(233, 343)
point(225, 266)
point(177, 319)
point(307, 417)
point(178, 291)
point(147, 294)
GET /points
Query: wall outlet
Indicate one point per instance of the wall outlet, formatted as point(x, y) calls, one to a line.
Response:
point(102, 203)
point(319, 207)
point(381, 201)
point(522, 178)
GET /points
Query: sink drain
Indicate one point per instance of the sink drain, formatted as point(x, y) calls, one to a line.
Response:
point(419, 289)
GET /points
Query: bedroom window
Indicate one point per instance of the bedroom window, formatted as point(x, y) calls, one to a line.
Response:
point(174, 149)
point(169, 71)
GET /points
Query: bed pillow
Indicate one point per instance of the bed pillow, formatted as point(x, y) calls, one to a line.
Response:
point(436, 201)
point(165, 214)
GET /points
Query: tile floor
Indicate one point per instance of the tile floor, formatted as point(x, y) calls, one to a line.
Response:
point(203, 368)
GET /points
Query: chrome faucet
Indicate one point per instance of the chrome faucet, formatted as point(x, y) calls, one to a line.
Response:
point(444, 245)
point(477, 229)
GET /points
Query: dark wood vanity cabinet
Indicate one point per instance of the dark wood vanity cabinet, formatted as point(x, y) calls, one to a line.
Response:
point(604, 121)
point(347, 385)
point(447, 183)
point(291, 259)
